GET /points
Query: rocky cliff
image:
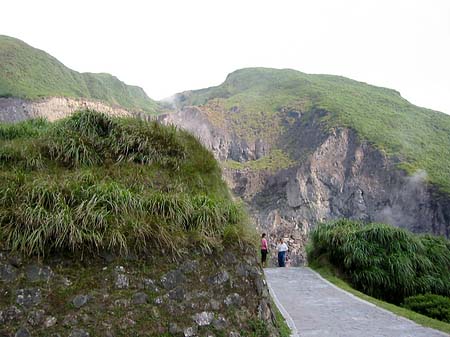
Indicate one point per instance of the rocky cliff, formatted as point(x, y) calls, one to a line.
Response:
point(333, 174)
point(53, 108)
point(215, 134)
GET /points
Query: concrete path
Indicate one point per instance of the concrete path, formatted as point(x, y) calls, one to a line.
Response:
point(320, 309)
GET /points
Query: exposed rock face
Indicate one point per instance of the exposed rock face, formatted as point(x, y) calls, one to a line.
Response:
point(201, 296)
point(16, 109)
point(224, 143)
point(336, 175)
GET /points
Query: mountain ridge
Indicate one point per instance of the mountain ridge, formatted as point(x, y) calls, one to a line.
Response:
point(31, 73)
point(417, 136)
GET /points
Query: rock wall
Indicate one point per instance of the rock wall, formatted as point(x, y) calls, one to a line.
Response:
point(223, 142)
point(53, 108)
point(336, 175)
point(215, 295)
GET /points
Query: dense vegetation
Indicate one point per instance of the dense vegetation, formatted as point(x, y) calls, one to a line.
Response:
point(255, 97)
point(30, 73)
point(386, 262)
point(91, 182)
point(434, 306)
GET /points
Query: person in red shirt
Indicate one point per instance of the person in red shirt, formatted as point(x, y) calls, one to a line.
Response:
point(264, 249)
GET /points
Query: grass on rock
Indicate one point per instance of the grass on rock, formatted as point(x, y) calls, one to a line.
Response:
point(272, 162)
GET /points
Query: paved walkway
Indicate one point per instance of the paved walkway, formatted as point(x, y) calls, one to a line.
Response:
point(320, 309)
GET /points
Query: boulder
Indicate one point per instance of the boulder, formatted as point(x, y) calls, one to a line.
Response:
point(172, 279)
point(79, 333)
point(219, 278)
point(36, 317)
point(8, 273)
point(22, 332)
point(80, 300)
point(204, 318)
point(28, 297)
point(10, 314)
point(139, 298)
point(36, 273)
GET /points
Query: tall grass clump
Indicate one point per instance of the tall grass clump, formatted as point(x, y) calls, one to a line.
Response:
point(133, 140)
point(90, 138)
point(383, 261)
point(113, 184)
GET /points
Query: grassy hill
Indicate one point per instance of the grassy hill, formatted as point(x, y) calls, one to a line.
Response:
point(91, 182)
point(418, 137)
point(31, 73)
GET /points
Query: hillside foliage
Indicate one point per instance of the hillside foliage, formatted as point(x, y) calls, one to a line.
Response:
point(383, 261)
point(31, 73)
point(430, 305)
point(90, 183)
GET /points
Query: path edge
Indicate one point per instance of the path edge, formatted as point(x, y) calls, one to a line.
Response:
point(371, 304)
point(287, 317)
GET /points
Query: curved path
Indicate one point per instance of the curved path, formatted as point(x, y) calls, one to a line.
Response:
point(320, 309)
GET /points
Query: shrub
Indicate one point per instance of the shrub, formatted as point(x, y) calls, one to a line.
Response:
point(434, 306)
point(384, 261)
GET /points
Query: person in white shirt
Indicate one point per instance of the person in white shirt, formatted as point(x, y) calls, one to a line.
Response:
point(282, 248)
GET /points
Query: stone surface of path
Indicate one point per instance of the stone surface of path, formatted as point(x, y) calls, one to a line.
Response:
point(320, 309)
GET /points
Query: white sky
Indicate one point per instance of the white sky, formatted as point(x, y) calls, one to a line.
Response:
point(169, 46)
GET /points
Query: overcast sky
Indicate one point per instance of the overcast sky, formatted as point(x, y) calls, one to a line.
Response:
point(169, 46)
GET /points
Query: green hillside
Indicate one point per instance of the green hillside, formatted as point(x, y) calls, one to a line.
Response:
point(418, 137)
point(27, 72)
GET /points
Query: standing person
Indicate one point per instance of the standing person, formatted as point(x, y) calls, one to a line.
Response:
point(282, 249)
point(264, 249)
